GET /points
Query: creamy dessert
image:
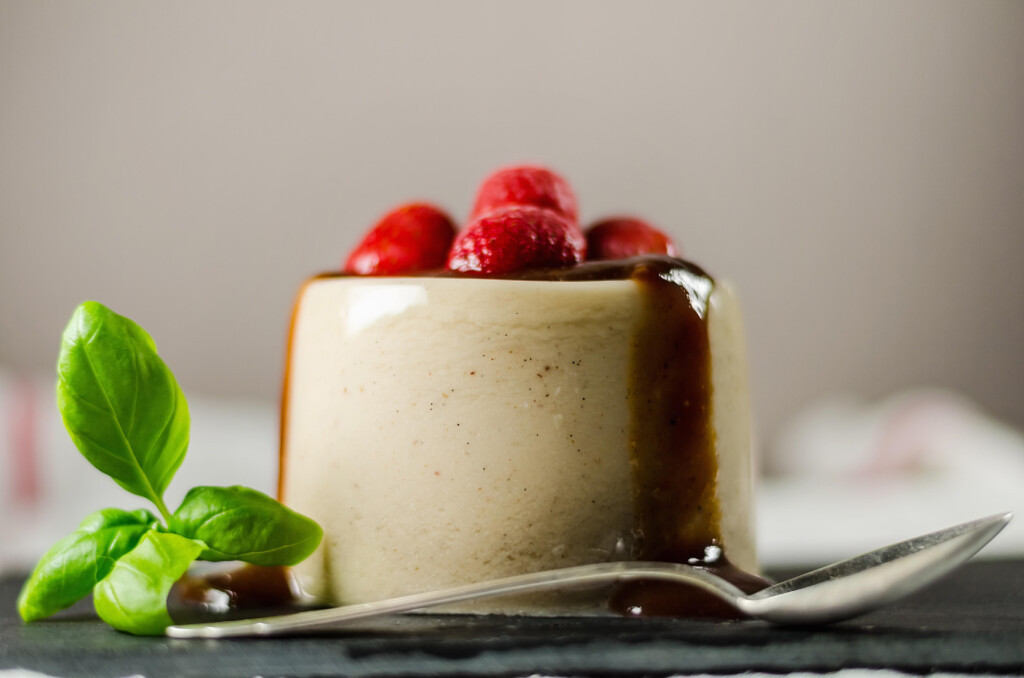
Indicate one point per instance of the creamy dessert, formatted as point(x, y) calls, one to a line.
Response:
point(459, 425)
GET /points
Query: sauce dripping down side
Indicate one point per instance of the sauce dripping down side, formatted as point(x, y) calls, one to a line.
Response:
point(673, 459)
point(674, 463)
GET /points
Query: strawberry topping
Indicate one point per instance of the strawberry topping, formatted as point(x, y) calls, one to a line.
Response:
point(525, 185)
point(517, 238)
point(413, 237)
point(625, 237)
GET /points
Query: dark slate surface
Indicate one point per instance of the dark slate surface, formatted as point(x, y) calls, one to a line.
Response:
point(973, 621)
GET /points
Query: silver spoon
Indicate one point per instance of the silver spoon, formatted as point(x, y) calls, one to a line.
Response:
point(833, 593)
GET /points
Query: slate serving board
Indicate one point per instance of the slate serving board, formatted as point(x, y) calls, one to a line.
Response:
point(973, 621)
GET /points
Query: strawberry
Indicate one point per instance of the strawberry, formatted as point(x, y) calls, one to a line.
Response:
point(525, 185)
point(625, 237)
point(413, 237)
point(517, 238)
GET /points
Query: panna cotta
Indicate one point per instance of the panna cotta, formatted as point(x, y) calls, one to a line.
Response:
point(446, 429)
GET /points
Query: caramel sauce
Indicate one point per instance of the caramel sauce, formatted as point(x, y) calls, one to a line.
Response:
point(237, 593)
point(282, 430)
point(673, 456)
point(665, 599)
point(675, 467)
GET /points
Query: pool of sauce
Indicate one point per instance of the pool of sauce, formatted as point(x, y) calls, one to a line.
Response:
point(673, 456)
point(246, 591)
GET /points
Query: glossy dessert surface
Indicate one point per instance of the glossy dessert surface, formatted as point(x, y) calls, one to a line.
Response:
point(450, 429)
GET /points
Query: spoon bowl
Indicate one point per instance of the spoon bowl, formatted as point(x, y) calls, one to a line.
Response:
point(833, 593)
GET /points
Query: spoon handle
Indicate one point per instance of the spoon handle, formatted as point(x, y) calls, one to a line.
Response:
point(583, 576)
point(832, 593)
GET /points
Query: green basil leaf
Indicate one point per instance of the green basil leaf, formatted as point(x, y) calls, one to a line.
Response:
point(120, 403)
point(133, 597)
point(239, 523)
point(113, 517)
point(74, 565)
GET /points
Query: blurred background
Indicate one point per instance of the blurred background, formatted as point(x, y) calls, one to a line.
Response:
point(857, 169)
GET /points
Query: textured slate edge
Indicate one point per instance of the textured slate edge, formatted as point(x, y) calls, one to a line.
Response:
point(654, 660)
point(578, 654)
point(970, 625)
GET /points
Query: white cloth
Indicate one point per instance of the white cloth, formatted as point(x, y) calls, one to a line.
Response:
point(847, 476)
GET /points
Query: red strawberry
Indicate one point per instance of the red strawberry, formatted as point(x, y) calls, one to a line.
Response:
point(625, 237)
point(413, 237)
point(525, 185)
point(517, 238)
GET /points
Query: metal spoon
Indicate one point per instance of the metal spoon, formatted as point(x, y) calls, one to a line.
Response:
point(833, 593)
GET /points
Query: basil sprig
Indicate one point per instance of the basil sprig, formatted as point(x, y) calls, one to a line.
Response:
point(239, 523)
point(128, 417)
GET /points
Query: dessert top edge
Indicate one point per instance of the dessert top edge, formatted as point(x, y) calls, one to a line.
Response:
point(635, 267)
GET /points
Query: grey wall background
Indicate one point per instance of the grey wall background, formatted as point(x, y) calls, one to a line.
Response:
point(856, 168)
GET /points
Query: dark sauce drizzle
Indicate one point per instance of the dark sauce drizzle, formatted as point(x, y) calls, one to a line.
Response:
point(675, 499)
point(247, 591)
